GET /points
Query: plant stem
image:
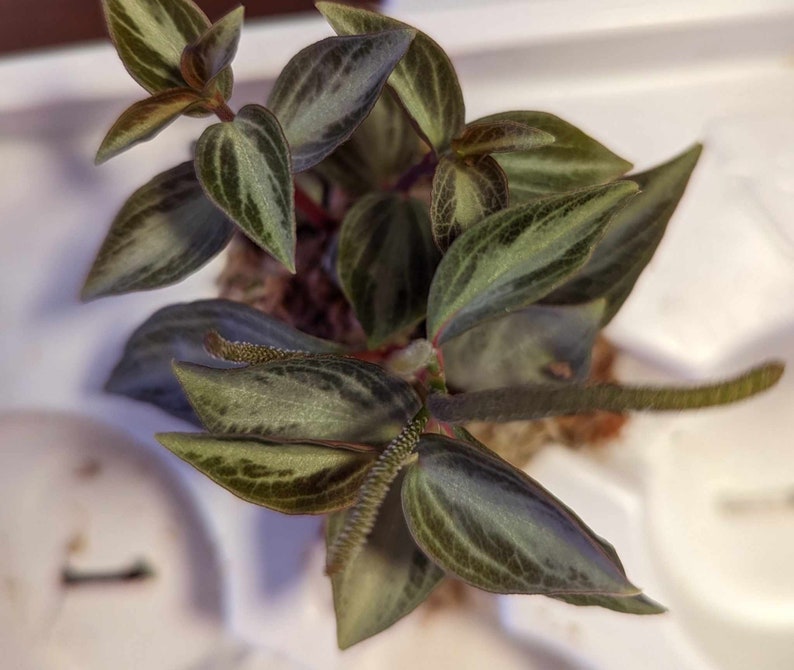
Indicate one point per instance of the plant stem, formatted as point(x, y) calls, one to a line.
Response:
point(424, 167)
point(313, 212)
point(223, 111)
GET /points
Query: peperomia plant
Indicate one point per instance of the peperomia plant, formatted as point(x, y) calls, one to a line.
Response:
point(480, 260)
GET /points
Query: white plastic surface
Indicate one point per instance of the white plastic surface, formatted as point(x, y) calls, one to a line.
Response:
point(718, 295)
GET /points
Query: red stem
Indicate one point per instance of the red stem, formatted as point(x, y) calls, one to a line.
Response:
point(424, 167)
point(315, 214)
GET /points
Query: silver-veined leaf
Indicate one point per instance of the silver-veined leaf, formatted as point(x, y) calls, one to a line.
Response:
point(386, 262)
point(574, 160)
point(631, 237)
point(464, 192)
point(535, 401)
point(381, 149)
point(537, 344)
point(485, 521)
point(385, 581)
point(150, 35)
point(177, 332)
point(496, 137)
point(165, 231)
point(213, 52)
point(329, 88)
point(289, 477)
point(425, 79)
point(317, 398)
point(145, 119)
point(244, 167)
point(517, 256)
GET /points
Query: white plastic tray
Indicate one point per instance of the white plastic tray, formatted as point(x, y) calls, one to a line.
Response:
point(647, 79)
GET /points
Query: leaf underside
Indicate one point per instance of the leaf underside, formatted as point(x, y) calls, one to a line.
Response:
point(536, 344)
point(145, 119)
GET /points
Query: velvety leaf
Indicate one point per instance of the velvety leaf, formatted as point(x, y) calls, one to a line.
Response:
point(425, 79)
point(165, 231)
point(386, 263)
point(150, 35)
point(145, 119)
point(244, 167)
point(177, 332)
point(639, 604)
point(318, 398)
point(631, 237)
point(388, 578)
point(464, 193)
point(381, 148)
point(536, 344)
point(289, 477)
point(540, 400)
point(329, 88)
point(214, 51)
point(488, 523)
point(517, 256)
point(499, 137)
point(573, 161)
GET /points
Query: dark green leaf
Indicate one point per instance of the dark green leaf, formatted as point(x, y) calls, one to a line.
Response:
point(150, 35)
point(317, 398)
point(327, 90)
point(177, 332)
point(573, 161)
point(631, 237)
point(517, 256)
point(425, 79)
point(536, 344)
point(381, 148)
point(495, 137)
point(464, 193)
point(165, 231)
point(541, 400)
point(639, 604)
point(145, 119)
point(488, 523)
point(214, 51)
point(388, 578)
point(386, 263)
point(244, 167)
point(289, 477)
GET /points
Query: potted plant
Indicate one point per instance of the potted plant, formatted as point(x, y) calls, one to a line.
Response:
point(398, 273)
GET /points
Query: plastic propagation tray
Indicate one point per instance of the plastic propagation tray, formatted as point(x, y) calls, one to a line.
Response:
point(699, 506)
